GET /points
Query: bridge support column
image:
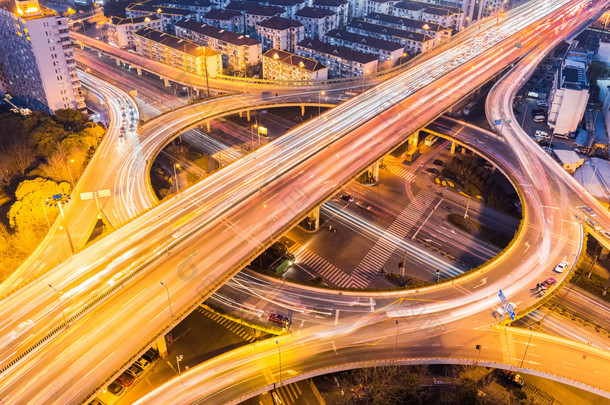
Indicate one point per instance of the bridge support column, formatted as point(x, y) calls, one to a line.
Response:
point(463, 150)
point(207, 125)
point(166, 82)
point(241, 114)
point(604, 253)
point(414, 140)
point(118, 61)
point(452, 147)
point(373, 172)
point(139, 71)
point(248, 115)
point(303, 110)
point(99, 53)
point(161, 346)
point(314, 216)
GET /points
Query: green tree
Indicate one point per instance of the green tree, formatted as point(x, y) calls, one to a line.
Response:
point(27, 212)
point(47, 137)
point(72, 120)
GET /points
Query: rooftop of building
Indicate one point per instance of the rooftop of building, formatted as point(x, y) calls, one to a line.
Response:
point(286, 3)
point(156, 9)
point(366, 40)
point(135, 20)
point(594, 175)
point(574, 75)
point(241, 5)
point(220, 14)
point(174, 42)
point(279, 23)
point(342, 52)
point(215, 32)
point(269, 11)
point(294, 60)
point(394, 32)
point(329, 3)
point(429, 8)
point(314, 12)
point(406, 22)
point(28, 10)
point(184, 3)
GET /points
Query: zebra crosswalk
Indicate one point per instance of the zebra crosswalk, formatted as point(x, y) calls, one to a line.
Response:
point(400, 172)
point(287, 394)
point(329, 272)
point(232, 326)
point(376, 258)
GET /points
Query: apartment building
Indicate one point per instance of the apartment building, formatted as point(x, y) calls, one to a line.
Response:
point(230, 20)
point(379, 6)
point(238, 51)
point(199, 7)
point(280, 65)
point(387, 51)
point(177, 52)
point(120, 30)
point(291, 6)
point(168, 15)
point(280, 33)
point(339, 7)
point(436, 31)
point(341, 61)
point(413, 42)
point(317, 21)
point(37, 66)
point(447, 16)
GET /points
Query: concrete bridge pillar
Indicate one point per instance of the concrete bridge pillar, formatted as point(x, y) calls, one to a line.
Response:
point(303, 110)
point(604, 253)
point(207, 125)
point(463, 150)
point(314, 216)
point(248, 115)
point(99, 53)
point(452, 147)
point(373, 171)
point(414, 140)
point(139, 71)
point(241, 114)
point(166, 82)
point(118, 61)
point(161, 346)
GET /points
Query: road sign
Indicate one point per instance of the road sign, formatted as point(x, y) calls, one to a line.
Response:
point(511, 311)
point(91, 195)
point(502, 297)
point(508, 121)
point(497, 122)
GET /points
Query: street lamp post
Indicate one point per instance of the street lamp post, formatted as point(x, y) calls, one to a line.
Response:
point(279, 352)
point(56, 200)
point(527, 347)
point(70, 171)
point(45, 215)
point(438, 275)
point(59, 302)
point(171, 312)
point(467, 206)
point(319, 94)
point(395, 343)
point(594, 171)
point(178, 359)
point(176, 177)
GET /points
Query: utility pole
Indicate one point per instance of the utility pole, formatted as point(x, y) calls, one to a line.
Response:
point(171, 312)
point(404, 264)
point(467, 206)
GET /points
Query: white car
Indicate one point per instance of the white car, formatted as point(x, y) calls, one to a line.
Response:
point(510, 304)
point(561, 267)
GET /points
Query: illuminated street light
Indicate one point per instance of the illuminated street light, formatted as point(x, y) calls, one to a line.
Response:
point(279, 352)
point(70, 171)
point(171, 312)
point(56, 200)
point(320, 93)
point(177, 165)
point(59, 301)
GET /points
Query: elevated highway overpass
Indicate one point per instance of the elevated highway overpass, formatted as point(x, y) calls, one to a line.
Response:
point(348, 134)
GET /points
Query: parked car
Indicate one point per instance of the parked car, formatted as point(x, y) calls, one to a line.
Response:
point(606, 234)
point(513, 377)
point(125, 379)
point(279, 319)
point(143, 363)
point(115, 388)
point(134, 370)
point(588, 211)
point(151, 355)
point(347, 197)
point(438, 162)
point(432, 170)
point(561, 267)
